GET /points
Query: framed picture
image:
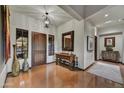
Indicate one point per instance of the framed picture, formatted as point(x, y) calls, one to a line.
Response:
point(90, 43)
point(109, 42)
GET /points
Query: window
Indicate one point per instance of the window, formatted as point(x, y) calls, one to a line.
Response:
point(51, 44)
point(21, 43)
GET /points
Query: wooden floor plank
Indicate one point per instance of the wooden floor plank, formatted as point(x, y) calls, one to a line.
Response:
point(56, 76)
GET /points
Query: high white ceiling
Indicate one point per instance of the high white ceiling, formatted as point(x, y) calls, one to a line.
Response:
point(61, 14)
point(80, 12)
point(111, 15)
point(56, 15)
point(87, 10)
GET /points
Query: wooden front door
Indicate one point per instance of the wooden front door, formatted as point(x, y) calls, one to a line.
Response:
point(38, 48)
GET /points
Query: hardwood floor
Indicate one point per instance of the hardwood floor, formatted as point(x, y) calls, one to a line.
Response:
point(54, 76)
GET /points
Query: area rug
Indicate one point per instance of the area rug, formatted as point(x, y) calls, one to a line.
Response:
point(108, 71)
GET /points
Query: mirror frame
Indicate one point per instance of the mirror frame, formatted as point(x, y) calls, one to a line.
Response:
point(72, 40)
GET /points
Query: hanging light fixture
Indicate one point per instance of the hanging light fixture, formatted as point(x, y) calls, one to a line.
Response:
point(46, 20)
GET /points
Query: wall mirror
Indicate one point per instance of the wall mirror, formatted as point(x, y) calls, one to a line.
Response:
point(68, 41)
point(21, 43)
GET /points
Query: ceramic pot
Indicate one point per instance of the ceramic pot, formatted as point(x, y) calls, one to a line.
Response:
point(15, 65)
point(25, 65)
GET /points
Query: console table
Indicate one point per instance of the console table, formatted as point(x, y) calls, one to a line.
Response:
point(112, 56)
point(65, 58)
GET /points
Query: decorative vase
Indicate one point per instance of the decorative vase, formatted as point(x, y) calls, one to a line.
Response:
point(15, 65)
point(25, 65)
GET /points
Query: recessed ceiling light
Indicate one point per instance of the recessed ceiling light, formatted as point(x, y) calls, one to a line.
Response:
point(106, 15)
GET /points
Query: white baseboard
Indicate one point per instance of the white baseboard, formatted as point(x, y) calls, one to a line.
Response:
point(3, 75)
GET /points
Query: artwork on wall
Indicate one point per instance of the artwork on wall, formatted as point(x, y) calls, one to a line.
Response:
point(109, 42)
point(90, 43)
